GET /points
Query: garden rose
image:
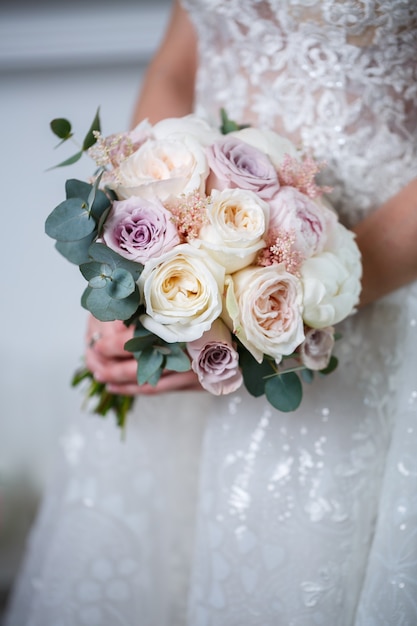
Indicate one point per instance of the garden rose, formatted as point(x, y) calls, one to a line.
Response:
point(215, 360)
point(238, 220)
point(234, 163)
point(269, 142)
point(264, 307)
point(317, 348)
point(331, 289)
point(139, 229)
point(182, 292)
point(161, 168)
point(294, 212)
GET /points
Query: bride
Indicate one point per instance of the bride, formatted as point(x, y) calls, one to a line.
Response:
point(223, 511)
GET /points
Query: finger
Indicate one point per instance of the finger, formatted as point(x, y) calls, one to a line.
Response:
point(171, 381)
point(116, 371)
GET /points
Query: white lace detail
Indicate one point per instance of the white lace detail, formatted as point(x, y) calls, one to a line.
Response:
point(338, 77)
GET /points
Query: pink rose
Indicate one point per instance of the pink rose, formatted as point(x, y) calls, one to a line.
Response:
point(293, 212)
point(317, 347)
point(236, 164)
point(264, 306)
point(139, 229)
point(215, 360)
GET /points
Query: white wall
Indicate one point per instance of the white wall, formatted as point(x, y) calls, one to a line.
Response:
point(53, 63)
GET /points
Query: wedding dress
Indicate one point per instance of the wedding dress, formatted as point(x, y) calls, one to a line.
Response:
point(225, 512)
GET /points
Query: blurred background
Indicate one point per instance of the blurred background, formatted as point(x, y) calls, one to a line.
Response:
point(56, 60)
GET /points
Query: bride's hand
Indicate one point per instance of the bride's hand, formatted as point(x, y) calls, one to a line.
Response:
point(110, 363)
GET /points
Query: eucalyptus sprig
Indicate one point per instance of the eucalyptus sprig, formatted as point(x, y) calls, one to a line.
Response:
point(62, 128)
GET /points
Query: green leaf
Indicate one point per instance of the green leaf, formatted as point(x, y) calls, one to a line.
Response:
point(91, 269)
point(228, 125)
point(99, 282)
point(333, 363)
point(76, 251)
point(307, 375)
point(79, 189)
point(121, 284)
point(89, 139)
point(61, 128)
point(149, 362)
point(284, 391)
point(70, 221)
point(102, 253)
point(178, 360)
point(137, 344)
point(107, 309)
point(73, 159)
point(254, 373)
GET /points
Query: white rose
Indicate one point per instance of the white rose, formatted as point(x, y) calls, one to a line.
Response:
point(238, 221)
point(182, 291)
point(269, 142)
point(188, 125)
point(162, 167)
point(332, 281)
point(264, 308)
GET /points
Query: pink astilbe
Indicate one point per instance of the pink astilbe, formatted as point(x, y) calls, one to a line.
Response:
point(302, 175)
point(189, 215)
point(280, 249)
point(112, 150)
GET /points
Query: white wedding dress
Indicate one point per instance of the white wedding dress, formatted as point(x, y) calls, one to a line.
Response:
point(225, 512)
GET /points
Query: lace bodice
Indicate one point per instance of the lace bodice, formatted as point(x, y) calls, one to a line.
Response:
point(337, 76)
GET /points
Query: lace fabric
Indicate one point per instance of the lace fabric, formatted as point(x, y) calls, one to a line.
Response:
point(222, 511)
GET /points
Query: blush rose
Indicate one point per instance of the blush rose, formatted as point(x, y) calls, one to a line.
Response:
point(264, 309)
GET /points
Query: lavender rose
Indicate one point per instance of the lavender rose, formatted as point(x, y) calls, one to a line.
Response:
point(140, 229)
point(215, 360)
point(293, 212)
point(234, 163)
point(317, 347)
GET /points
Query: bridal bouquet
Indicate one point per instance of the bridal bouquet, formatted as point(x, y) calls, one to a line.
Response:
point(218, 247)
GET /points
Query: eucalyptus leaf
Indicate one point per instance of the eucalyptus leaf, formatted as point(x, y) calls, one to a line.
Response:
point(307, 375)
point(73, 159)
point(61, 128)
point(121, 284)
point(84, 297)
point(70, 221)
point(254, 373)
point(76, 251)
point(178, 360)
point(98, 282)
point(94, 188)
point(89, 139)
point(137, 344)
point(154, 378)
point(284, 391)
point(149, 362)
point(107, 309)
point(79, 189)
point(101, 252)
point(90, 270)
